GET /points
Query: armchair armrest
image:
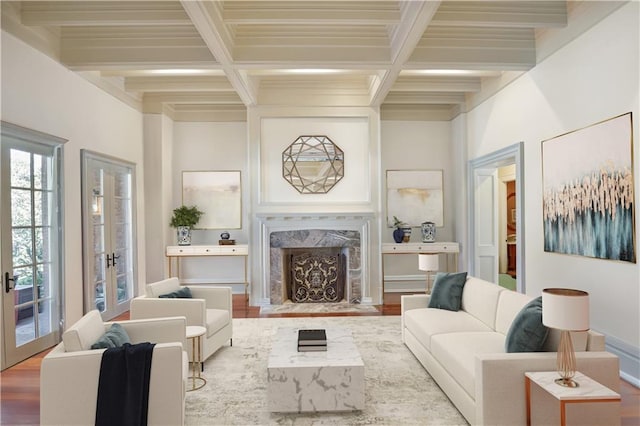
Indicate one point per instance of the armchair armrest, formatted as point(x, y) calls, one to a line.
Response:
point(155, 330)
point(69, 385)
point(215, 297)
point(499, 377)
point(150, 307)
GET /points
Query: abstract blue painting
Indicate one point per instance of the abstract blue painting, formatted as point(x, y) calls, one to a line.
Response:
point(588, 194)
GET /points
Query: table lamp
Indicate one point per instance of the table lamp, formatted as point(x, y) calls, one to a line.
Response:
point(566, 310)
point(429, 263)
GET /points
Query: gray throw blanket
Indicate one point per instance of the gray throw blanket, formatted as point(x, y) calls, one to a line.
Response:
point(123, 388)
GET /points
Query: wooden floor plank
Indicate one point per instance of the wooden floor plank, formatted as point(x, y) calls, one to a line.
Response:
point(20, 384)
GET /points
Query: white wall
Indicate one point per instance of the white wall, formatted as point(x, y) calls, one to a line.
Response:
point(416, 145)
point(350, 134)
point(211, 147)
point(40, 94)
point(593, 78)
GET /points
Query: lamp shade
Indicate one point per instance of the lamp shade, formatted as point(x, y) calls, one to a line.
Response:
point(565, 309)
point(428, 262)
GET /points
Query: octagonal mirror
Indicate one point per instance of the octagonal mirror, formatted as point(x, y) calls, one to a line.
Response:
point(313, 164)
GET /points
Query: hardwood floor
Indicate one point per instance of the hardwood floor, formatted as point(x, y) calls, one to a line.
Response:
point(20, 384)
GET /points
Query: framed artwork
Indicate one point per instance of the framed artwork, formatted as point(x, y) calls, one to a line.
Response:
point(415, 196)
point(588, 195)
point(218, 194)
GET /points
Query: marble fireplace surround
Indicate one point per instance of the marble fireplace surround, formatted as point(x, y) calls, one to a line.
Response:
point(349, 231)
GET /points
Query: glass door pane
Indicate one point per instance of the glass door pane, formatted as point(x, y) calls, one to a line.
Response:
point(109, 243)
point(31, 251)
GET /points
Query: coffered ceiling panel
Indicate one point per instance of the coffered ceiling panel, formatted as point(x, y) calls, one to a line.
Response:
point(210, 60)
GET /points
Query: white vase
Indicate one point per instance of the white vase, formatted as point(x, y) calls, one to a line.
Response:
point(428, 232)
point(184, 235)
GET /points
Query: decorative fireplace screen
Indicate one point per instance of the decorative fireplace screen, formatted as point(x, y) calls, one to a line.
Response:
point(316, 277)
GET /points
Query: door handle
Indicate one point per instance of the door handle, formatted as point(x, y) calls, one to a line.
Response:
point(108, 261)
point(8, 279)
point(113, 259)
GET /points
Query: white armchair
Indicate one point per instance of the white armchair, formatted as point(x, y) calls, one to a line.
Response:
point(69, 374)
point(210, 307)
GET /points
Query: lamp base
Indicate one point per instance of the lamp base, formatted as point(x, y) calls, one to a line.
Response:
point(568, 382)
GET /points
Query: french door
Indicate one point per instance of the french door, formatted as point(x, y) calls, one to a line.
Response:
point(31, 248)
point(109, 229)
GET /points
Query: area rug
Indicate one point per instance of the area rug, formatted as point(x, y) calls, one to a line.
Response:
point(398, 390)
point(322, 308)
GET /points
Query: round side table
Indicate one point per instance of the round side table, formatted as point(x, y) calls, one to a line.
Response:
point(194, 334)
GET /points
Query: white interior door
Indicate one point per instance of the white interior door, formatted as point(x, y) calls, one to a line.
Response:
point(31, 250)
point(486, 242)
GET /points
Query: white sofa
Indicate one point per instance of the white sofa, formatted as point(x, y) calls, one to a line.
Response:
point(69, 373)
point(211, 307)
point(464, 353)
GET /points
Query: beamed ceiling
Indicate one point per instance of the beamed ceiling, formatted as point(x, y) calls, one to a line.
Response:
point(210, 60)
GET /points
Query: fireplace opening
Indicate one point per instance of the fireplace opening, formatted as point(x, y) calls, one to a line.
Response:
point(315, 274)
point(283, 244)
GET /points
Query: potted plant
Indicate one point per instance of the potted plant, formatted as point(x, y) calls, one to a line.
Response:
point(402, 232)
point(184, 219)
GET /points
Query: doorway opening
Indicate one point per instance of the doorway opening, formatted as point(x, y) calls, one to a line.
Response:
point(496, 217)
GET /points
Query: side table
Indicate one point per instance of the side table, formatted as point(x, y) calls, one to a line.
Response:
point(589, 391)
point(195, 333)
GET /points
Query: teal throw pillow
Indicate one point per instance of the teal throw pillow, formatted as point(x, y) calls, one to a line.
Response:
point(527, 333)
point(115, 337)
point(447, 291)
point(183, 293)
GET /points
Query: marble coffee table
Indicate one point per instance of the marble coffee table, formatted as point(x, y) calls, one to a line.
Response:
point(331, 380)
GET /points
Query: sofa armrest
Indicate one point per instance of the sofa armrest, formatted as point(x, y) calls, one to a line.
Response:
point(155, 330)
point(412, 301)
point(215, 297)
point(499, 378)
point(150, 307)
point(69, 386)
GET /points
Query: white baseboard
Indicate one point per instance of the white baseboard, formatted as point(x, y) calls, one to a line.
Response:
point(629, 359)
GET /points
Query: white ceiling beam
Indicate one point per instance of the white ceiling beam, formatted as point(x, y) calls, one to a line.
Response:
point(103, 13)
point(475, 47)
point(319, 16)
point(416, 112)
point(425, 98)
point(155, 102)
point(178, 84)
point(511, 14)
point(437, 84)
point(312, 12)
point(206, 16)
point(416, 17)
point(301, 56)
point(128, 47)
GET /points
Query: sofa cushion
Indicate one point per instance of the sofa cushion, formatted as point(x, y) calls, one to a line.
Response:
point(115, 337)
point(447, 291)
point(480, 299)
point(216, 320)
point(426, 322)
point(81, 335)
point(182, 293)
point(527, 333)
point(162, 287)
point(457, 354)
point(510, 304)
